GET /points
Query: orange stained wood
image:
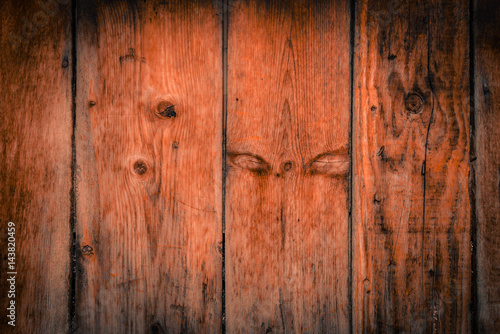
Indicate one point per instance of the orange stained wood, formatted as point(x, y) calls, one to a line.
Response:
point(35, 164)
point(411, 221)
point(486, 161)
point(149, 134)
point(212, 166)
point(287, 193)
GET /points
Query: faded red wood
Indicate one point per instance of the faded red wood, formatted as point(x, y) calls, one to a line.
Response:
point(149, 134)
point(35, 163)
point(287, 183)
point(487, 163)
point(411, 224)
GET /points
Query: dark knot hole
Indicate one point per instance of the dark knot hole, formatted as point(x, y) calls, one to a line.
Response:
point(140, 167)
point(166, 109)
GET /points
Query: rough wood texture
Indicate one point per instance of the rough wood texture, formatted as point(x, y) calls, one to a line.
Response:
point(287, 184)
point(411, 166)
point(35, 162)
point(149, 154)
point(487, 164)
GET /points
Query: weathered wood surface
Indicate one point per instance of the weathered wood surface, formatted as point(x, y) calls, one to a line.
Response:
point(149, 148)
point(411, 250)
point(35, 162)
point(149, 134)
point(287, 183)
point(487, 163)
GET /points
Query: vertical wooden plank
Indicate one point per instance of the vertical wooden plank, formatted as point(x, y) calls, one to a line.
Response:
point(487, 166)
point(411, 165)
point(35, 163)
point(149, 153)
point(287, 183)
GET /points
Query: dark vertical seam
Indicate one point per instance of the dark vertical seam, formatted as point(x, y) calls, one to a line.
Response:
point(225, 16)
point(352, 31)
point(72, 219)
point(472, 174)
point(424, 165)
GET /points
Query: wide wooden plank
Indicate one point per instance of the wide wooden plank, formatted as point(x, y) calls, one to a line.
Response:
point(411, 221)
point(487, 165)
point(35, 164)
point(287, 183)
point(149, 144)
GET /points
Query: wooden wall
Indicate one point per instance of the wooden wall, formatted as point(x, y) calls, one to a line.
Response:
point(251, 166)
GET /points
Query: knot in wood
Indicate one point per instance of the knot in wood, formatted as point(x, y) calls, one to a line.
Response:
point(87, 250)
point(287, 166)
point(140, 167)
point(414, 103)
point(156, 328)
point(166, 109)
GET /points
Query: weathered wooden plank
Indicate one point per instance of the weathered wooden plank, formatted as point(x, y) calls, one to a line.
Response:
point(411, 165)
point(487, 165)
point(149, 198)
point(287, 183)
point(35, 163)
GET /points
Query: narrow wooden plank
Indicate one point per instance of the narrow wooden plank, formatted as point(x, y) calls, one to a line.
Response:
point(35, 163)
point(487, 166)
point(411, 166)
point(287, 183)
point(149, 131)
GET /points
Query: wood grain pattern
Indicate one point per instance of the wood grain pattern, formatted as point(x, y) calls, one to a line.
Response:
point(35, 162)
point(149, 133)
point(287, 183)
point(149, 144)
point(411, 165)
point(487, 164)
